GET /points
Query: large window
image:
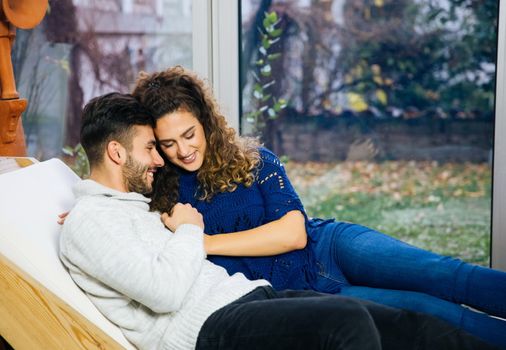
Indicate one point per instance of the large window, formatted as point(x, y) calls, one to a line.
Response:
point(383, 111)
point(86, 48)
point(400, 96)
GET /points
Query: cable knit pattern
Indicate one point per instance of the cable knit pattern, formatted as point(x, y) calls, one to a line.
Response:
point(155, 285)
point(269, 198)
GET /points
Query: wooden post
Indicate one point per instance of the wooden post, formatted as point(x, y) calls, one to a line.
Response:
point(24, 14)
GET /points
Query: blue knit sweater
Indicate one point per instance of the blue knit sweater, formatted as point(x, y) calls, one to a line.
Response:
point(269, 198)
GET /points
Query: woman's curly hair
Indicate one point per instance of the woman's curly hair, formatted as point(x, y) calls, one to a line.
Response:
point(229, 160)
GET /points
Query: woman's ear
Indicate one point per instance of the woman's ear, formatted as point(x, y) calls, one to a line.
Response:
point(116, 152)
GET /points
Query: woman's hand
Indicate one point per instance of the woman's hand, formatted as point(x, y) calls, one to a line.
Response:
point(62, 217)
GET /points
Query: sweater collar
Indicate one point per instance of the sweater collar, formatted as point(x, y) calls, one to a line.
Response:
point(187, 178)
point(92, 188)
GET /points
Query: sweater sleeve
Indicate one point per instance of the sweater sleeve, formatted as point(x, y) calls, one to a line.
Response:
point(107, 248)
point(277, 191)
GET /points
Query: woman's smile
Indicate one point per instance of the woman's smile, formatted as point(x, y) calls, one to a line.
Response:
point(182, 139)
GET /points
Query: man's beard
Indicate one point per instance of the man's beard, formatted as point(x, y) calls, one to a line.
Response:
point(135, 175)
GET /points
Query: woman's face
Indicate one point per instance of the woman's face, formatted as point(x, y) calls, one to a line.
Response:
point(182, 139)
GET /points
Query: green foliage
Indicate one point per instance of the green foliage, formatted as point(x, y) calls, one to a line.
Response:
point(402, 56)
point(422, 55)
point(267, 106)
point(79, 161)
point(284, 159)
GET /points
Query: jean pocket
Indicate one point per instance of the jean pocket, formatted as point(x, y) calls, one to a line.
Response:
point(325, 284)
point(336, 276)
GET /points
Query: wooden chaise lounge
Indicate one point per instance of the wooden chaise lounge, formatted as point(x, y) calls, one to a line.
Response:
point(40, 306)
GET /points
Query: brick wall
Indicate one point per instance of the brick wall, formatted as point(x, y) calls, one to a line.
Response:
point(324, 138)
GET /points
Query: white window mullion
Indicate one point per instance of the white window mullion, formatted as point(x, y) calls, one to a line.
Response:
point(226, 58)
point(498, 253)
point(216, 51)
point(202, 38)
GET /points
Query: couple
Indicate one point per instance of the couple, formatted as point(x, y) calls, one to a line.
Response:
point(97, 258)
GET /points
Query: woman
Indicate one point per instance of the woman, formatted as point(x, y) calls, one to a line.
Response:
point(256, 223)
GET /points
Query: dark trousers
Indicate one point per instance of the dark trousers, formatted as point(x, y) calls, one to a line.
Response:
point(266, 319)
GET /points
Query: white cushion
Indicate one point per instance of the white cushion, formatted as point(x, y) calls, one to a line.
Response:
point(30, 200)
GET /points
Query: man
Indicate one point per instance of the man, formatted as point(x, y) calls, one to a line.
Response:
point(158, 287)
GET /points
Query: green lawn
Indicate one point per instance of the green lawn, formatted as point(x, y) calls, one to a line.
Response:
point(441, 207)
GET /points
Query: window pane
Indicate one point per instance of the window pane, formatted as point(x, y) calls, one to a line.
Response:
point(389, 111)
point(84, 48)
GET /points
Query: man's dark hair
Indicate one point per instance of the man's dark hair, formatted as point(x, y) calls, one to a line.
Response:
point(111, 117)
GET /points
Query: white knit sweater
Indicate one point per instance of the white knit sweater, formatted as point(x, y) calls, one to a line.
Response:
point(157, 286)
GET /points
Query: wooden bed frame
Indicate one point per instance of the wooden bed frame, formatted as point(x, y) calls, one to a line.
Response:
point(32, 317)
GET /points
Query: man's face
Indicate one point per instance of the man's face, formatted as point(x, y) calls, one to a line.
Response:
point(142, 161)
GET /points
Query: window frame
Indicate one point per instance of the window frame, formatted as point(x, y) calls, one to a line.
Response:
point(498, 239)
point(216, 51)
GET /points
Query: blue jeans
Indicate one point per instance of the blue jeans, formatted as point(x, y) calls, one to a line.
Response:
point(367, 264)
point(268, 319)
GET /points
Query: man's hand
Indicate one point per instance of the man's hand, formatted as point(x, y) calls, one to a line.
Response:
point(182, 214)
point(62, 217)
